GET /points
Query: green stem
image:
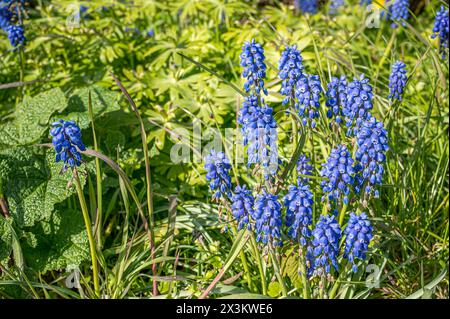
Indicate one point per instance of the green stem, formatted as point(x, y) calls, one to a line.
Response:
point(99, 215)
point(342, 214)
point(259, 263)
point(243, 258)
point(322, 286)
point(338, 281)
point(87, 222)
point(276, 267)
point(306, 288)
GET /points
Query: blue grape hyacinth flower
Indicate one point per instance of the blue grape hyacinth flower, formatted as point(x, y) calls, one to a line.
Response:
point(261, 137)
point(303, 168)
point(397, 81)
point(307, 6)
point(218, 168)
point(336, 97)
point(242, 206)
point(358, 105)
point(298, 202)
point(291, 70)
point(339, 173)
point(66, 139)
point(247, 114)
point(308, 94)
point(5, 17)
point(358, 234)
point(268, 220)
point(335, 5)
point(440, 30)
point(370, 155)
point(363, 3)
point(324, 249)
point(398, 12)
point(15, 35)
point(252, 60)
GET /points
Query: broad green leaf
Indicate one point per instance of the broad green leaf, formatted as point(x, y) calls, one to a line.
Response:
point(31, 119)
point(57, 242)
point(103, 102)
point(32, 183)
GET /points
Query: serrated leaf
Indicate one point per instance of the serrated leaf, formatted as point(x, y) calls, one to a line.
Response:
point(32, 183)
point(57, 242)
point(32, 119)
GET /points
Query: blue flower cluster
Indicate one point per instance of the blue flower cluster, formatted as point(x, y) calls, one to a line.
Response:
point(335, 5)
point(67, 143)
point(324, 249)
point(261, 137)
point(397, 80)
point(218, 168)
point(398, 12)
point(5, 15)
point(372, 142)
point(339, 173)
point(268, 221)
point(342, 174)
point(246, 114)
point(440, 30)
point(15, 32)
point(358, 105)
point(363, 3)
point(336, 97)
point(307, 6)
point(358, 235)
point(308, 94)
point(258, 126)
point(298, 202)
point(291, 70)
point(242, 206)
point(252, 60)
point(303, 168)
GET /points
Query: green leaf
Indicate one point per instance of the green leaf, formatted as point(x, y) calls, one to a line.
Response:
point(32, 183)
point(274, 289)
point(103, 102)
point(290, 268)
point(427, 291)
point(5, 239)
point(32, 119)
point(56, 243)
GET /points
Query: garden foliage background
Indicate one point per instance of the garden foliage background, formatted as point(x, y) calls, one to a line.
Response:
point(179, 60)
